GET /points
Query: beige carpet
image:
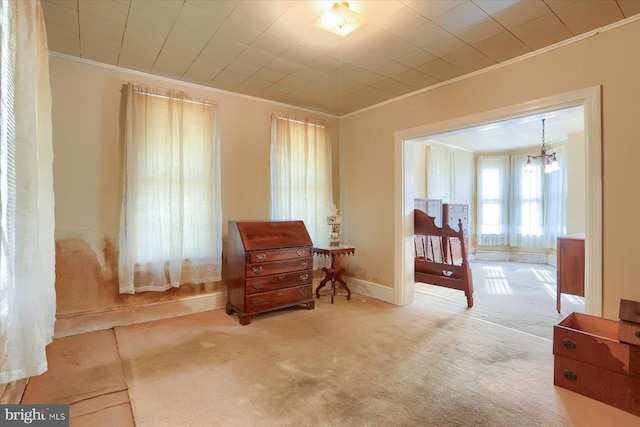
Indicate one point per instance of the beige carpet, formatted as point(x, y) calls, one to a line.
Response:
point(515, 295)
point(353, 363)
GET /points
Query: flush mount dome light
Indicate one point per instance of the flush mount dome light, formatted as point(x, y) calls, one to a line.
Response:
point(340, 19)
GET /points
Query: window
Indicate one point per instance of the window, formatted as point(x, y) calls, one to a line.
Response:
point(170, 228)
point(301, 173)
point(520, 209)
point(493, 207)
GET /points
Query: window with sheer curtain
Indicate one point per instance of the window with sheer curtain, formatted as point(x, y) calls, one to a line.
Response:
point(27, 247)
point(493, 200)
point(517, 208)
point(301, 173)
point(171, 217)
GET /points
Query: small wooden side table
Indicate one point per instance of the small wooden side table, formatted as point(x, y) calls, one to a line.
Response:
point(334, 274)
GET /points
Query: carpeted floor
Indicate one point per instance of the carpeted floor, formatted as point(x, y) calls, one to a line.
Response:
point(515, 295)
point(353, 363)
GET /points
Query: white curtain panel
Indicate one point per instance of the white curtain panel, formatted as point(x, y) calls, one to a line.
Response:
point(440, 173)
point(171, 217)
point(538, 212)
point(27, 255)
point(301, 173)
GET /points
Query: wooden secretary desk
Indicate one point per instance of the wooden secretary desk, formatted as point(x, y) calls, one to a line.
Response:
point(269, 266)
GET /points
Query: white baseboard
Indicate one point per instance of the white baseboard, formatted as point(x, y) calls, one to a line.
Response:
point(96, 321)
point(524, 257)
point(370, 289)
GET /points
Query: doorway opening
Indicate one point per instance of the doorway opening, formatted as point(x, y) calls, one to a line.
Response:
point(589, 99)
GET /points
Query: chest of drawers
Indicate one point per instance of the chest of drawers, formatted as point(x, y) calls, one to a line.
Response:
point(589, 360)
point(269, 267)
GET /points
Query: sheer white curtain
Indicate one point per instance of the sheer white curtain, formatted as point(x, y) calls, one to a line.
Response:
point(27, 248)
point(301, 173)
point(440, 173)
point(171, 217)
point(493, 200)
point(538, 200)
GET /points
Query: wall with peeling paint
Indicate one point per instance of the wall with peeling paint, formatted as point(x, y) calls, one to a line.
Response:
point(88, 117)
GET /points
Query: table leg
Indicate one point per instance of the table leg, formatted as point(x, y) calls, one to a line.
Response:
point(327, 277)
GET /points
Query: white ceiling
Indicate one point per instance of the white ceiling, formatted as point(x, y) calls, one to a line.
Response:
point(273, 50)
point(514, 134)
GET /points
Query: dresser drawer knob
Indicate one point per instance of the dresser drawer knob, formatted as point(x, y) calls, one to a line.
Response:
point(570, 375)
point(256, 302)
point(300, 253)
point(638, 334)
point(638, 312)
point(280, 293)
point(261, 257)
point(256, 269)
point(303, 293)
point(569, 344)
point(257, 286)
point(304, 262)
point(304, 276)
point(281, 277)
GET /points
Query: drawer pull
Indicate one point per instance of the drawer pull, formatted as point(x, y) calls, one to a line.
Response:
point(280, 293)
point(261, 257)
point(300, 252)
point(256, 302)
point(638, 334)
point(570, 375)
point(638, 312)
point(569, 344)
point(257, 286)
point(304, 276)
point(303, 293)
point(281, 277)
point(256, 269)
point(304, 262)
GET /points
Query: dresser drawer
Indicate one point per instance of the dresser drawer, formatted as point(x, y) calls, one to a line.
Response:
point(278, 254)
point(629, 311)
point(629, 332)
point(270, 283)
point(593, 340)
point(620, 391)
point(279, 298)
point(268, 268)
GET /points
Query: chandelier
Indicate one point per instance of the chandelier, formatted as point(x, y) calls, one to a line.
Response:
point(548, 160)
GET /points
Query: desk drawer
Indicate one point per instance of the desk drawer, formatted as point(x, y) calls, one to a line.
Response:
point(278, 254)
point(280, 298)
point(274, 282)
point(268, 268)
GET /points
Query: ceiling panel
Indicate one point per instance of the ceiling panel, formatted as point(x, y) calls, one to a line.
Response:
point(272, 49)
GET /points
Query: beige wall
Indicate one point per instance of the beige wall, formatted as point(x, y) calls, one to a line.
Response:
point(610, 59)
point(88, 141)
point(576, 199)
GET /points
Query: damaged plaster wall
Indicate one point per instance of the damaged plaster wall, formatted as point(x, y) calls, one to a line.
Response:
point(88, 117)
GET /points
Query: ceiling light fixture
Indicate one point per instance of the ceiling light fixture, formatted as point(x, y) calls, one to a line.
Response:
point(340, 19)
point(548, 160)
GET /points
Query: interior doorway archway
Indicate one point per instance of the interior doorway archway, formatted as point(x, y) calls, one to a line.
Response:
point(590, 99)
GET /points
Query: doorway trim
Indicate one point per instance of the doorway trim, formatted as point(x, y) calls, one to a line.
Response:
point(590, 99)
